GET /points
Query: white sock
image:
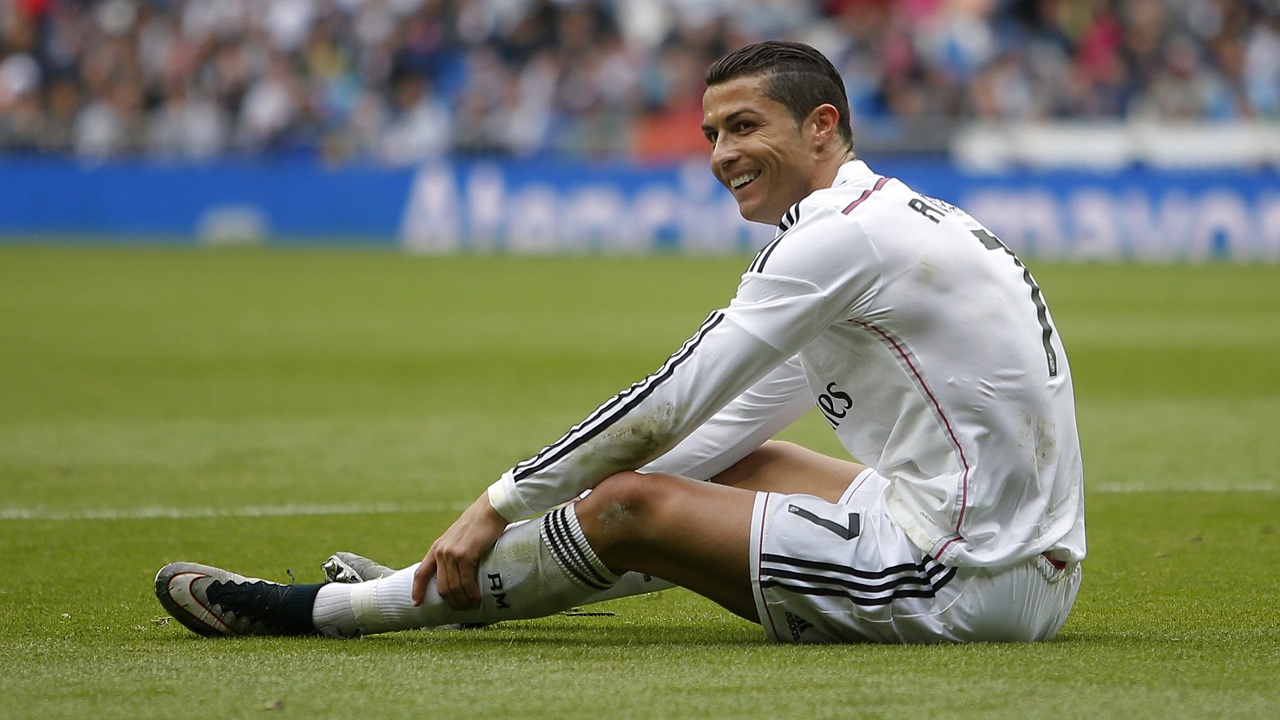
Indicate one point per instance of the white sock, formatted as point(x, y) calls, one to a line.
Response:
point(332, 613)
point(630, 584)
point(535, 569)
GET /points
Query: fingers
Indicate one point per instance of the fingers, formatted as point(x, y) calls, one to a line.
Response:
point(422, 576)
point(454, 558)
point(470, 586)
point(455, 580)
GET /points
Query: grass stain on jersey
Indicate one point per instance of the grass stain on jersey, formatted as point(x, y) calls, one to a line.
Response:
point(637, 439)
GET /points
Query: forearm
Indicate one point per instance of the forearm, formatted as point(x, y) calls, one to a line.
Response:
point(761, 412)
point(641, 423)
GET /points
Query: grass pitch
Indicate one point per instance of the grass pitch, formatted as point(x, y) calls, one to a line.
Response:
point(259, 409)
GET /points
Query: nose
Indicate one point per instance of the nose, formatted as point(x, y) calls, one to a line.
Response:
point(723, 152)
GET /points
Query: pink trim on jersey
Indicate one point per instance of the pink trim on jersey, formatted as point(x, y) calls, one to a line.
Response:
point(865, 194)
point(947, 544)
point(937, 408)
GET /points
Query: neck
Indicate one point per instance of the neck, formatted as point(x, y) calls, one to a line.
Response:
point(831, 166)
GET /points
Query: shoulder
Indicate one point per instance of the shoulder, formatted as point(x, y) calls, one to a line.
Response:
point(831, 222)
point(855, 185)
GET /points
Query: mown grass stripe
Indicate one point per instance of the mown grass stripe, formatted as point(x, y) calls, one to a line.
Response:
point(176, 513)
point(171, 513)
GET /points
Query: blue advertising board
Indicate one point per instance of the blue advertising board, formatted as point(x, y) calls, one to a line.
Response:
point(1130, 215)
point(544, 207)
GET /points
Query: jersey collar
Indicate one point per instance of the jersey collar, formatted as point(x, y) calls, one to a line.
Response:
point(851, 172)
point(848, 174)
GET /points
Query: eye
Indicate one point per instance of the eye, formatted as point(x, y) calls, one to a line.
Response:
point(711, 137)
point(743, 126)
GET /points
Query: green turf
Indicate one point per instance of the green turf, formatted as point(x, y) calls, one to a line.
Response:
point(259, 409)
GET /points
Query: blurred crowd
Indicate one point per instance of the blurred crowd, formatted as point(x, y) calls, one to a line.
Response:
point(402, 81)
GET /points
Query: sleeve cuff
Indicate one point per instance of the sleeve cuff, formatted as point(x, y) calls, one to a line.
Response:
point(506, 500)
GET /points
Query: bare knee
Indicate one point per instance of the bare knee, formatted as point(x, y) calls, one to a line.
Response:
point(625, 512)
point(623, 500)
point(659, 524)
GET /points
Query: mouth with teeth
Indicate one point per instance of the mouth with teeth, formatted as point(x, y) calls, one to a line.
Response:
point(744, 179)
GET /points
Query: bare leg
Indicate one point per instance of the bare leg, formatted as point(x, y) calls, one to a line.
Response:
point(692, 533)
point(695, 534)
point(776, 466)
point(787, 468)
point(676, 509)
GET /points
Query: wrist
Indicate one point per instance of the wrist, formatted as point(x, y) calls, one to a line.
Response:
point(484, 506)
point(506, 501)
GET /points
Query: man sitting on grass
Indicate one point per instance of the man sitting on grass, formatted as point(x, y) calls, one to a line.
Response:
point(922, 339)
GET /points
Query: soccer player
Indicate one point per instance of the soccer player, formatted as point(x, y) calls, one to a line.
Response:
point(922, 339)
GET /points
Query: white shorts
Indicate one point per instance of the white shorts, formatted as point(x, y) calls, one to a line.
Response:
point(845, 572)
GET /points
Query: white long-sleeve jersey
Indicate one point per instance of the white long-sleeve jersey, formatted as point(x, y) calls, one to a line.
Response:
point(922, 339)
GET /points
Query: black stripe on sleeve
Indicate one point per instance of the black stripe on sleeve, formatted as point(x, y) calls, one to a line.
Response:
point(616, 408)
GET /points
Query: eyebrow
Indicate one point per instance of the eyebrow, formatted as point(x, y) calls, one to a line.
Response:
point(728, 119)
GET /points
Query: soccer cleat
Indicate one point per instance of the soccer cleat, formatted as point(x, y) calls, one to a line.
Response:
point(345, 567)
point(214, 602)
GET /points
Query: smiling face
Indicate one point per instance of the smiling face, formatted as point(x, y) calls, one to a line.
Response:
point(758, 150)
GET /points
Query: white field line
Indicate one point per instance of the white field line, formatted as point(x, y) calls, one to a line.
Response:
point(1261, 486)
point(266, 511)
point(290, 510)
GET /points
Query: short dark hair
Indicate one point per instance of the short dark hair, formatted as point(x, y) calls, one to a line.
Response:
point(799, 77)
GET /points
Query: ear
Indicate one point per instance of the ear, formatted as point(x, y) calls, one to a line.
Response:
point(824, 122)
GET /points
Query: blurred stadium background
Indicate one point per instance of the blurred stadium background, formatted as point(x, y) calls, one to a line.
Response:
point(260, 409)
point(1093, 129)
